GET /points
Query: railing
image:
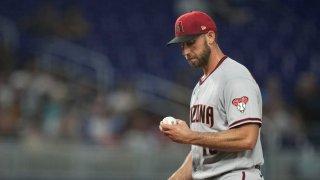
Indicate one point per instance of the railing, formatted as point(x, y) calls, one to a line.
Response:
point(79, 161)
point(65, 161)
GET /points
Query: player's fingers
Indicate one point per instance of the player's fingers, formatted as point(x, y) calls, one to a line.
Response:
point(181, 122)
point(160, 128)
point(165, 126)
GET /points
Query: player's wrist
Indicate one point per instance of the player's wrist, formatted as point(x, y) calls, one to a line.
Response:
point(193, 137)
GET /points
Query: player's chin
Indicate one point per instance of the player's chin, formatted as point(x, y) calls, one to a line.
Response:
point(194, 63)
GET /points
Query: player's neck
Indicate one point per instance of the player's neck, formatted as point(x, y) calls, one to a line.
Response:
point(214, 59)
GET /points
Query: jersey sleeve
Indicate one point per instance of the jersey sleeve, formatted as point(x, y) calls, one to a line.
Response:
point(242, 101)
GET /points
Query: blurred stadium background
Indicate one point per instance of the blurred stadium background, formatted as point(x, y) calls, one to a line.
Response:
point(84, 84)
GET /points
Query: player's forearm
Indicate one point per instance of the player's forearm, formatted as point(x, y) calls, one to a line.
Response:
point(185, 170)
point(232, 140)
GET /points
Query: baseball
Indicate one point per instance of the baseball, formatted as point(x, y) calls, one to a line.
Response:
point(169, 120)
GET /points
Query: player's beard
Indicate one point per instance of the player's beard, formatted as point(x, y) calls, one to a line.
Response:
point(202, 59)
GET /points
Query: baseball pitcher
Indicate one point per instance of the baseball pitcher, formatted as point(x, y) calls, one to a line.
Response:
point(225, 109)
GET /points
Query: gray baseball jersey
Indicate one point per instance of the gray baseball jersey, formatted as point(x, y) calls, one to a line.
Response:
point(226, 98)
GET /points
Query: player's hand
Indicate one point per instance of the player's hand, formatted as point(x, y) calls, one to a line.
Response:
point(179, 132)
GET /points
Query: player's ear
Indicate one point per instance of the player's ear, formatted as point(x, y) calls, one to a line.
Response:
point(211, 37)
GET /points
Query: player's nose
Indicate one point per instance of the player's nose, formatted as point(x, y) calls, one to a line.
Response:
point(185, 51)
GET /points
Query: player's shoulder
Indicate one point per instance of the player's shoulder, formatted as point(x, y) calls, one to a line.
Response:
point(237, 75)
point(233, 69)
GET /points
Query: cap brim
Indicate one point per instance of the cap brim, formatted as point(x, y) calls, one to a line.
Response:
point(182, 39)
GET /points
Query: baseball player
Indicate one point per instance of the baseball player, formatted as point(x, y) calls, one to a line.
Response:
point(225, 109)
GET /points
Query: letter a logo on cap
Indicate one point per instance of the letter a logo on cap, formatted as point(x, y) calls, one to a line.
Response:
point(179, 27)
point(191, 25)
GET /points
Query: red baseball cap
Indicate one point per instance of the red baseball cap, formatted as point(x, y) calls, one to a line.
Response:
point(191, 25)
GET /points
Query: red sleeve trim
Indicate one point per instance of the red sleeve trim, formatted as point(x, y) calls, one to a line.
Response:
point(245, 121)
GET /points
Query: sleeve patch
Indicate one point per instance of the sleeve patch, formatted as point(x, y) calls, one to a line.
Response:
point(240, 103)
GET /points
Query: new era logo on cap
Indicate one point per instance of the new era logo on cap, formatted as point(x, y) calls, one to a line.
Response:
point(191, 25)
